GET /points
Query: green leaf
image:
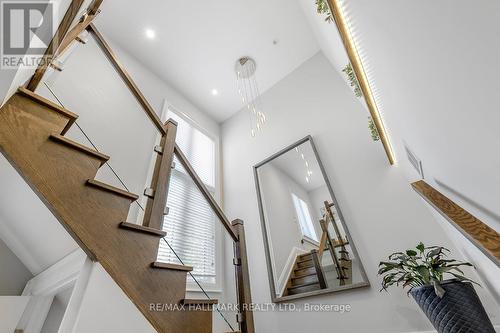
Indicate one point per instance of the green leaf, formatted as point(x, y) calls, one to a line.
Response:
point(411, 253)
point(421, 247)
point(373, 129)
point(424, 273)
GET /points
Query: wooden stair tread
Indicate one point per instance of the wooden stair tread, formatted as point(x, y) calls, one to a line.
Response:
point(302, 281)
point(144, 229)
point(112, 189)
point(47, 103)
point(296, 277)
point(303, 285)
point(70, 143)
point(199, 301)
point(164, 265)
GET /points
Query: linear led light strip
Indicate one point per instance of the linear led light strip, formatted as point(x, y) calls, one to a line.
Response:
point(357, 66)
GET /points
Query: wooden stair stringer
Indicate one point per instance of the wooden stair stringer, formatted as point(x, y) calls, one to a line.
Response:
point(58, 174)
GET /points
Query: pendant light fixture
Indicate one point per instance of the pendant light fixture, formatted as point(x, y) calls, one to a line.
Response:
point(248, 89)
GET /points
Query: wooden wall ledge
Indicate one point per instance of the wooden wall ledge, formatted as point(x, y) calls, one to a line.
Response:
point(484, 237)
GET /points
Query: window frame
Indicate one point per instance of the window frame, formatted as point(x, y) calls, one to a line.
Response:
point(219, 234)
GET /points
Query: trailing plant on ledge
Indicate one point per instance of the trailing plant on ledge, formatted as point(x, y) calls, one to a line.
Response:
point(349, 72)
point(425, 266)
point(323, 8)
point(373, 129)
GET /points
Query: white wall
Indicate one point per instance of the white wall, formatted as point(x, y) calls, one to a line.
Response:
point(281, 218)
point(14, 274)
point(318, 196)
point(436, 82)
point(106, 308)
point(382, 212)
point(54, 317)
point(11, 310)
point(27, 227)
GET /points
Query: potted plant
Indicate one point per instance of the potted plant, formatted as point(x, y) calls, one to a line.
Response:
point(451, 305)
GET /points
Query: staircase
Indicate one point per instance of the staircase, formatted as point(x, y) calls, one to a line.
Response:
point(307, 275)
point(61, 172)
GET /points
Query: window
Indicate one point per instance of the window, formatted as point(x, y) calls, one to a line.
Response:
point(190, 223)
point(304, 217)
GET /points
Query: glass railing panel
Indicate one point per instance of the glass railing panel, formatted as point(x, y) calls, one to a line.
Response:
point(110, 118)
point(196, 238)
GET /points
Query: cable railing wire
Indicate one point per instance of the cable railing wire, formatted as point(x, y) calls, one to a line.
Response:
point(142, 208)
point(92, 144)
point(199, 285)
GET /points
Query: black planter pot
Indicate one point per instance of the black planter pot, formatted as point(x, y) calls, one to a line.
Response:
point(459, 311)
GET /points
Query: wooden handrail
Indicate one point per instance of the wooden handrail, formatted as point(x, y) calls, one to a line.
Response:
point(319, 269)
point(331, 218)
point(237, 232)
point(156, 205)
point(85, 21)
point(64, 37)
point(484, 237)
point(153, 116)
point(204, 191)
point(322, 245)
point(62, 30)
point(331, 246)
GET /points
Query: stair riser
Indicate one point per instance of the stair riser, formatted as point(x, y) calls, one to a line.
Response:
point(305, 264)
point(304, 258)
point(81, 148)
point(307, 279)
point(296, 291)
point(302, 272)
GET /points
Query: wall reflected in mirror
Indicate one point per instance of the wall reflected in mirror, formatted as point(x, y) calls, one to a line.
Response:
point(308, 246)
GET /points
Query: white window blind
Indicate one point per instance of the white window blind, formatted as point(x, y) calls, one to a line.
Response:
point(304, 216)
point(190, 223)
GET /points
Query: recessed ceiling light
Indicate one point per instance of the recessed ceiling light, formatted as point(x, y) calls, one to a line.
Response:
point(150, 33)
point(215, 92)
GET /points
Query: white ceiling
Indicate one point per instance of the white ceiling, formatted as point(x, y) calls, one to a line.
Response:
point(198, 42)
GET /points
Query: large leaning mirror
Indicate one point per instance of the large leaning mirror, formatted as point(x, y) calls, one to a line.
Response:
point(308, 246)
